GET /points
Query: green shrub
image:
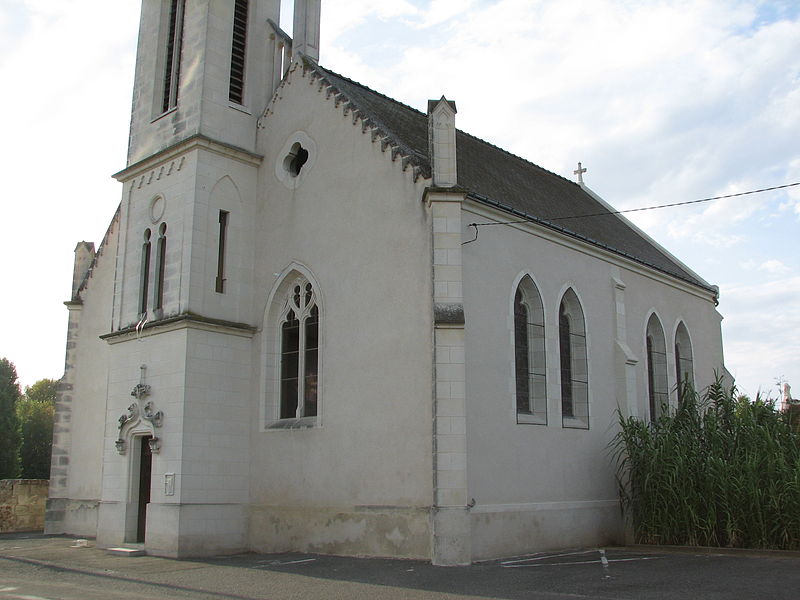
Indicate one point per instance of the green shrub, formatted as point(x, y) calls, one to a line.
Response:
point(719, 471)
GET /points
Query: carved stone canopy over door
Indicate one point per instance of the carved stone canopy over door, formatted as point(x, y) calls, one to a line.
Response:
point(141, 415)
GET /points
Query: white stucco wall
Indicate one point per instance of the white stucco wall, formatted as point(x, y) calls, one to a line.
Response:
point(547, 486)
point(356, 223)
point(83, 419)
point(359, 477)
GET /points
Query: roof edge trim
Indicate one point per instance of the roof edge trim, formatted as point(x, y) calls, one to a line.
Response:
point(537, 221)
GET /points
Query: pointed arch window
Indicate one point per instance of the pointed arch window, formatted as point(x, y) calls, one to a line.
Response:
point(161, 264)
point(144, 273)
point(657, 382)
point(684, 366)
point(529, 354)
point(299, 353)
point(573, 363)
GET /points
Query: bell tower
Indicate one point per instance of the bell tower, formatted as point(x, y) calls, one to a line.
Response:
point(202, 68)
point(183, 289)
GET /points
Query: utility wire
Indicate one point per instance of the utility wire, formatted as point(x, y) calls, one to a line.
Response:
point(619, 212)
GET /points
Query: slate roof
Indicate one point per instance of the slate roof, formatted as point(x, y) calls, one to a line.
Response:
point(500, 179)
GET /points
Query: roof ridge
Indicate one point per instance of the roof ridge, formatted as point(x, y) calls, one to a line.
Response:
point(520, 158)
point(466, 133)
point(369, 89)
point(407, 137)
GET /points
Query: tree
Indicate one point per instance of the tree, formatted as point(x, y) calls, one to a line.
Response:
point(9, 436)
point(35, 415)
point(44, 391)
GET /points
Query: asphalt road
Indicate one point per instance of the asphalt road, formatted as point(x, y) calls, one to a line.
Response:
point(48, 568)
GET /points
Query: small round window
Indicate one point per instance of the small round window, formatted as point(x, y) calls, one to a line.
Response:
point(295, 160)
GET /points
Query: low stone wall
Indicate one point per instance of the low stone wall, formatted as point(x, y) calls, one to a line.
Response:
point(22, 503)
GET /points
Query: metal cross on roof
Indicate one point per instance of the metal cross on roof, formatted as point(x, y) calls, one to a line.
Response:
point(579, 172)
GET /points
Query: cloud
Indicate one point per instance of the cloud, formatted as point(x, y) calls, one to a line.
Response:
point(774, 267)
point(64, 129)
point(662, 101)
point(441, 11)
point(347, 15)
point(760, 329)
point(645, 95)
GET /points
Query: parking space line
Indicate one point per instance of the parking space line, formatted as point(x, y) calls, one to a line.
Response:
point(582, 562)
point(546, 556)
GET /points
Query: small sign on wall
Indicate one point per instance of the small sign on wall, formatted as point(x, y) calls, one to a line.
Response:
point(169, 484)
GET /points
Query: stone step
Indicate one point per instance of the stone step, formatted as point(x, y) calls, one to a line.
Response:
point(126, 551)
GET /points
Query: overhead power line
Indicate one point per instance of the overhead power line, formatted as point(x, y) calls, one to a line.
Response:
point(619, 212)
point(628, 210)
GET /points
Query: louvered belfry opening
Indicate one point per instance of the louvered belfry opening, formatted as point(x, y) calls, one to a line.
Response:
point(238, 50)
point(173, 56)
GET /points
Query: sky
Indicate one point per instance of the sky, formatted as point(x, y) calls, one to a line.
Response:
point(662, 101)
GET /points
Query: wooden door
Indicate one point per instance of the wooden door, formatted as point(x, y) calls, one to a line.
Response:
point(145, 471)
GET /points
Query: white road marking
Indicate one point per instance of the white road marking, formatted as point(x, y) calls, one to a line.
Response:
point(276, 563)
point(582, 562)
point(297, 562)
point(604, 561)
point(545, 557)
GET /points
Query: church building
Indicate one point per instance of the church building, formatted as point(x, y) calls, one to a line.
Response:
point(324, 321)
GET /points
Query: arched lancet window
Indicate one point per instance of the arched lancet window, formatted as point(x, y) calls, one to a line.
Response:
point(529, 354)
point(161, 263)
point(299, 353)
point(657, 383)
point(574, 366)
point(144, 275)
point(684, 368)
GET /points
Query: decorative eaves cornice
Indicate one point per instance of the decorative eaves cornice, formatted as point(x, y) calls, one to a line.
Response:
point(184, 321)
point(410, 159)
point(155, 161)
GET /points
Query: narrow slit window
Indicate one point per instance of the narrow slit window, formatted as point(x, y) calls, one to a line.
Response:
point(161, 263)
point(144, 277)
point(223, 236)
point(238, 52)
point(172, 67)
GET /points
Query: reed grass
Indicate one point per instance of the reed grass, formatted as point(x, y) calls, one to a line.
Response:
point(720, 471)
